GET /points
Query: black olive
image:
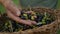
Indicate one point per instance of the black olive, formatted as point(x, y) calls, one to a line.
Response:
point(22, 12)
point(39, 24)
point(48, 22)
point(39, 18)
point(29, 16)
point(23, 17)
point(25, 27)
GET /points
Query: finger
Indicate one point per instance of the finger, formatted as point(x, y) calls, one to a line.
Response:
point(10, 15)
point(10, 6)
point(27, 22)
point(28, 12)
point(33, 22)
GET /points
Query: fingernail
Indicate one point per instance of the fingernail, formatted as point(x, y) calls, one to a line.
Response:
point(18, 13)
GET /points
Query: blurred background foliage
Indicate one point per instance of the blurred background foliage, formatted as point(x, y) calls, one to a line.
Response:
point(58, 5)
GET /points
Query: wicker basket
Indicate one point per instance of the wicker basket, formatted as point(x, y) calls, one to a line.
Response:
point(45, 29)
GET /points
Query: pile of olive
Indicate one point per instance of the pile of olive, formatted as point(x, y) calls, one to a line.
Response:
point(12, 26)
point(40, 18)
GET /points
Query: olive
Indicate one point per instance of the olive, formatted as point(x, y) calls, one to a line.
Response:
point(39, 24)
point(39, 18)
point(25, 27)
point(30, 27)
point(22, 12)
point(48, 21)
point(32, 18)
point(29, 16)
point(23, 17)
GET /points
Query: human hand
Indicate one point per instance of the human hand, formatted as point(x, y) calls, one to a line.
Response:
point(17, 19)
point(13, 12)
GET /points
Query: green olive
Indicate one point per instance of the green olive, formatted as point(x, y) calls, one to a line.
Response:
point(26, 16)
point(32, 17)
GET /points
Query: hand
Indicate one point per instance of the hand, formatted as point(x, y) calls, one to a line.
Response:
point(13, 12)
point(12, 16)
